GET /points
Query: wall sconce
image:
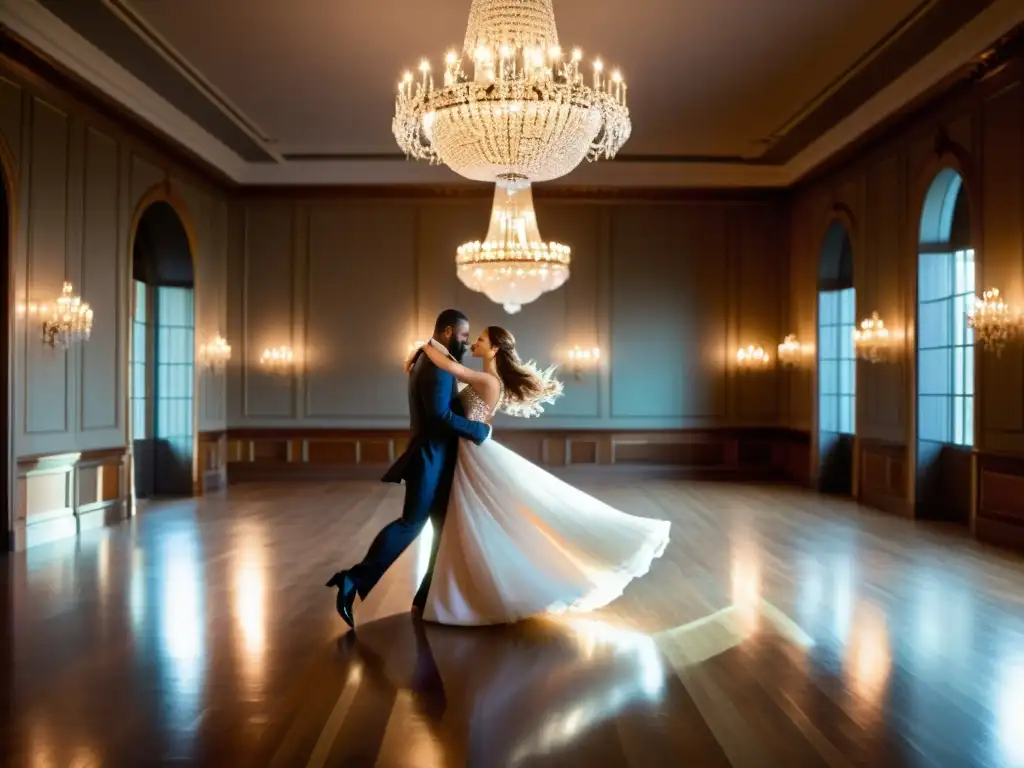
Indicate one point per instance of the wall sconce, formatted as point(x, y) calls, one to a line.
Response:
point(580, 358)
point(790, 351)
point(752, 356)
point(215, 353)
point(993, 321)
point(871, 340)
point(67, 320)
point(277, 359)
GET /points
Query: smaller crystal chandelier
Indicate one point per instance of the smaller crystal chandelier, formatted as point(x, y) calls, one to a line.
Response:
point(993, 321)
point(790, 351)
point(216, 352)
point(871, 340)
point(513, 266)
point(752, 356)
point(69, 319)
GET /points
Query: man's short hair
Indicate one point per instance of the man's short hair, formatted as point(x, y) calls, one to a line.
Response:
point(448, 319)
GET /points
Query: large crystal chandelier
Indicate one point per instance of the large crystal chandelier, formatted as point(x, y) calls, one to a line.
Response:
point(522, 110)
point(513, 266)
point(521, 113)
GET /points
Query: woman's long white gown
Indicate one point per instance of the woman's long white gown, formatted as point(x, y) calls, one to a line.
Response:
point(517, 542)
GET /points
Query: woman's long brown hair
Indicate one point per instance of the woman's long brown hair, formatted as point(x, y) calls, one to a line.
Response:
point(521, 383)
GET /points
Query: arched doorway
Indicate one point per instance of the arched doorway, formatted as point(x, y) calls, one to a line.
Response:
point(945, 351)
point(837, 367)
point(162, 354)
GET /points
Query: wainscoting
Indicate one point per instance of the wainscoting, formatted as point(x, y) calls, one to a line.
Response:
point(1000, 500)
point(62, 495)
point(882, 476)
point(213, 461)
point(264, 454)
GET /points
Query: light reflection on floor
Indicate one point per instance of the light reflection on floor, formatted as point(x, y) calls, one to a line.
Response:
point(899, 640)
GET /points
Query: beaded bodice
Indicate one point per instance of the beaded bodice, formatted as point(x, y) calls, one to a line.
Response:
point(474, 406)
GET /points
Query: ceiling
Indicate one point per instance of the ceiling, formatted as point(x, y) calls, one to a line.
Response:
point(728, 82)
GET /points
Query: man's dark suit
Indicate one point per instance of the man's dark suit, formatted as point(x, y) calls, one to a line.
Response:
point(427, 467)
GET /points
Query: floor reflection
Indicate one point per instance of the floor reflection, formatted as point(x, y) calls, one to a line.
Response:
point(507, 695)
point(182, 628)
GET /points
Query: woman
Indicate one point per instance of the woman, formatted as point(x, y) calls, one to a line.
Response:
point(516, 541)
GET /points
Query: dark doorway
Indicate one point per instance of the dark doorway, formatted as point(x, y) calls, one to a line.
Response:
point(837, 365)
point(163, 355)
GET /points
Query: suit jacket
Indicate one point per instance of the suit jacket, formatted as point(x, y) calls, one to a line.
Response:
point(437, 421)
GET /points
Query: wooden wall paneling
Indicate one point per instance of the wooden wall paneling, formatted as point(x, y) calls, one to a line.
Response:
point(580, 227)
point(103, 270)
point(1000, 500)
point(1002, 214)
point(46, 371)
point(361, 286)
point(756, 254)
point(268, 310)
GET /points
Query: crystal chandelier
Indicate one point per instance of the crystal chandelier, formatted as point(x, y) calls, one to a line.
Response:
point(992, 320)
point(69, 319)
point(522, 109)
point(513, 266)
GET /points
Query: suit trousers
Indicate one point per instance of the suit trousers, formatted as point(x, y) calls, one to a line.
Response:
point(423, 501)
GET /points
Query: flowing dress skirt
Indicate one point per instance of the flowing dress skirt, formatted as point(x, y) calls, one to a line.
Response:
point(517, 542)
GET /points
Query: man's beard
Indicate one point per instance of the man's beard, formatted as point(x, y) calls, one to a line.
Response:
point(458, 349)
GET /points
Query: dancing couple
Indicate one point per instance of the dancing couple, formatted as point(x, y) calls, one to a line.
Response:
point(485, 536)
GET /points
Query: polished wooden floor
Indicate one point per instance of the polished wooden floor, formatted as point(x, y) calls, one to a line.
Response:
point(780, 629)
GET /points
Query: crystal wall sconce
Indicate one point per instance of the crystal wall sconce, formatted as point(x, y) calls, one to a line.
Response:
point(790, 352)
point(753, 357)
point(215, 353)
point(993, 321)
point(581, 359)
point(66, 321)
point(277, 359)
point(871, 340)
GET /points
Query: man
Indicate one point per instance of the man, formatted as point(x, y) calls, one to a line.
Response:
point(427, 466)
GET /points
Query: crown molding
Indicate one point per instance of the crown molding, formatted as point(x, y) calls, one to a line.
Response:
point(41, 29)
point(44, 31)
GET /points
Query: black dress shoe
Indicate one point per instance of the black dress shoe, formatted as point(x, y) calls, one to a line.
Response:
point(346, 595)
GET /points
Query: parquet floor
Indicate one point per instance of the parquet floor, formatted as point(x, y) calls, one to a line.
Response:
point(781, 628)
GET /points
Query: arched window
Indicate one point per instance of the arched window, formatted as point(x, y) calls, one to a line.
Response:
point(837, 366)
point(945, 289)
point(836, 318)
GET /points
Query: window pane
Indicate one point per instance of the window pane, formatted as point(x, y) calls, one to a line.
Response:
point(968, 421)
point(827, 308)
point(934, 418)
point(847, 304)
point(934, 372)
point(933, 319)
point(969, 370)
point(847, 377)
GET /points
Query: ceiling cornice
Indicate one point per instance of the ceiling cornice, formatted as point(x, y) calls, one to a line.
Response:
point(55, 39)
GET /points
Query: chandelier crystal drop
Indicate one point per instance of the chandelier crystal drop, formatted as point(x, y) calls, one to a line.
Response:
point(513, 266)
point(513, 105)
